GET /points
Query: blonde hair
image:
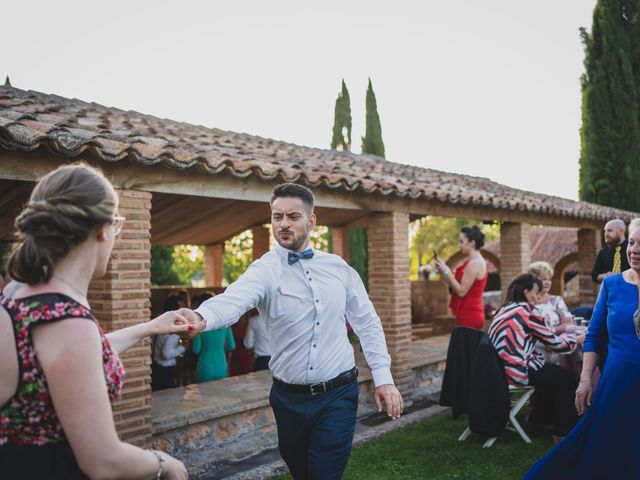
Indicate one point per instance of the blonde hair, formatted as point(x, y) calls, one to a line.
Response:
point(66, 205)
point(635, 223)
point(541, 269)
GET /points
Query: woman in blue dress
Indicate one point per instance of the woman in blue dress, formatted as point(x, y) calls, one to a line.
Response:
point(606, 442)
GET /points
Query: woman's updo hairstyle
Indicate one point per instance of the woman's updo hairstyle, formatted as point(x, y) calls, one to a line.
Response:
point(66, 205)
point(475, 234)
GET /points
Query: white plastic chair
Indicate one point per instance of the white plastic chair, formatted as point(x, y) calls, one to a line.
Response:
point(513, 424)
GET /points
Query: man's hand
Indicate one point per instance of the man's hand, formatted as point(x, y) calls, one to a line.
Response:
point(392, 399)
point(194, 320)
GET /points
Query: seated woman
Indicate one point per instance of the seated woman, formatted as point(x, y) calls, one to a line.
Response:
point(58, 370)
point(467, 284)
point(515, 331)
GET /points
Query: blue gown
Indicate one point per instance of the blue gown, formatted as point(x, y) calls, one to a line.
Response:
point(605, 443)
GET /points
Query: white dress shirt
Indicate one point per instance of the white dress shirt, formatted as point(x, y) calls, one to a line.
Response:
point(257, 337)
point(306, 304)
point(166, 349)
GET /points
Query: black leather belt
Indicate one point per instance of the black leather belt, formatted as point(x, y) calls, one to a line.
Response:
point(320, 387)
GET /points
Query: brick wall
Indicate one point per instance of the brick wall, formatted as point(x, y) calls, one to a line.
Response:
point(588, 247)
point(121, 299)
point(340, 242)
point(389, 288)
point(515, 252)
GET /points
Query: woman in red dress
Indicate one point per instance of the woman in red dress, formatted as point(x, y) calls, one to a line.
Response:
point(468, 282)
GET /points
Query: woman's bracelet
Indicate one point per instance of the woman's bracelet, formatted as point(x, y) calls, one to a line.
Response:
point(447, 272)
point(160, 464)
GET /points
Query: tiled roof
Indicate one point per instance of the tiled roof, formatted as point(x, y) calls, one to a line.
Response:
point(69, 127)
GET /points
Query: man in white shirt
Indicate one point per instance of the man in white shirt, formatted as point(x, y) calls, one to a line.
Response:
point(305, 296)
point(257, 339)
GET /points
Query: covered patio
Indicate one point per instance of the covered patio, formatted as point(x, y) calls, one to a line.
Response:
point(186, 184)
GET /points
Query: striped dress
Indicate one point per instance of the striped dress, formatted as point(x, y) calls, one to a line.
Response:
point(515, 331)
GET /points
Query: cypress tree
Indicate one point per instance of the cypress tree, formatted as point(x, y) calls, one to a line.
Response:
point(341, 139)
point(372, 140)
point(610, 133)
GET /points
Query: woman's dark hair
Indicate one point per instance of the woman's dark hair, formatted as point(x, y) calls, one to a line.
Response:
point(296, 191)
point(524, 281)
point(65, 206)
point(172, 302)
point(474, 234)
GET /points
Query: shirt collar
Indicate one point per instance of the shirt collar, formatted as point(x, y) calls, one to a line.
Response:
point(284, 252)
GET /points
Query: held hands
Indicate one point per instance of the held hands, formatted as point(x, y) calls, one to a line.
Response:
point(168, 323)
point(194, 321)
point(584, 393)
point(392, 399)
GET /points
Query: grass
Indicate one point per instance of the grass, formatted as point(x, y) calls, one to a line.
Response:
point(429, 450)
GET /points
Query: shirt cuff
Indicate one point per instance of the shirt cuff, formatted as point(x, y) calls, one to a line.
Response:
point(208, 316)
point(382, 376)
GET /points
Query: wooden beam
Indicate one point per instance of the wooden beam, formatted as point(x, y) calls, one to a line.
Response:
point(30, 166)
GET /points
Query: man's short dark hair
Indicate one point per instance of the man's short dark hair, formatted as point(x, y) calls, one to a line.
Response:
point(296, 191)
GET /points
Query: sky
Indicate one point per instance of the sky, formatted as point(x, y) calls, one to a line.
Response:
point(486, 88)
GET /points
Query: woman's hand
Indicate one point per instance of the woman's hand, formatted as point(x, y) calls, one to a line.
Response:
point(442, 267)
point(170, 322)
point(584, 393)
point(173, 469)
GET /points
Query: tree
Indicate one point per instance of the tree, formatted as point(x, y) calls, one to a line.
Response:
point(372, 140)
point(440, 234)
point(188, 263)
point(238, 255)
point(610, 133)
point(162, 272)
point(341, 139)
point(359, 253)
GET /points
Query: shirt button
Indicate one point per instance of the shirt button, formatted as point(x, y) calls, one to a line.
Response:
point(309, 278)
point(307, 272)
point(317, 301)
point(317, 323)
point(314, 346)
point(310, 368)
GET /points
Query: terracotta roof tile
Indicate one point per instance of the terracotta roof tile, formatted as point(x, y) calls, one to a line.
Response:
point(69, 127)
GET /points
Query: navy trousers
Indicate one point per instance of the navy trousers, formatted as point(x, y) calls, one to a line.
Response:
point(315, 432)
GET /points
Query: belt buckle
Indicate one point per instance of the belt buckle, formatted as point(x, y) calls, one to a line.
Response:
point(321, 388)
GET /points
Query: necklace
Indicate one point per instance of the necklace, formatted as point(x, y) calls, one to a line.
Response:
point(83, 295)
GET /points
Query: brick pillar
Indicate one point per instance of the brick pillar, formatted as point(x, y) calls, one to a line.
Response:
point(515, 251)
point(588, 247)
point(390, 290)
point(260, 241)
point(121, 299)
point(340, 242)
point(213, 265)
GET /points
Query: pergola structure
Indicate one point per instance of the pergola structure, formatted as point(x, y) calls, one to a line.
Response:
point(181, 183)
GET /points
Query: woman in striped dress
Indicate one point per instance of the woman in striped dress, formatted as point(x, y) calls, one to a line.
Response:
point(515, 332)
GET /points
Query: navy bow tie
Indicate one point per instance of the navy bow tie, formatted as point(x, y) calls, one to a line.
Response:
point(295, 256)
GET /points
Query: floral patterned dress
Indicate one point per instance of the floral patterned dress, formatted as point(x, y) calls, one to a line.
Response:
point(32, 441)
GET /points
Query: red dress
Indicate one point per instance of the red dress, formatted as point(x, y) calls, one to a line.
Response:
point(469, 310)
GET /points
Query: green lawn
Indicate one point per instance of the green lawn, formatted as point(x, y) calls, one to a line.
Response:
point(429, 450)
